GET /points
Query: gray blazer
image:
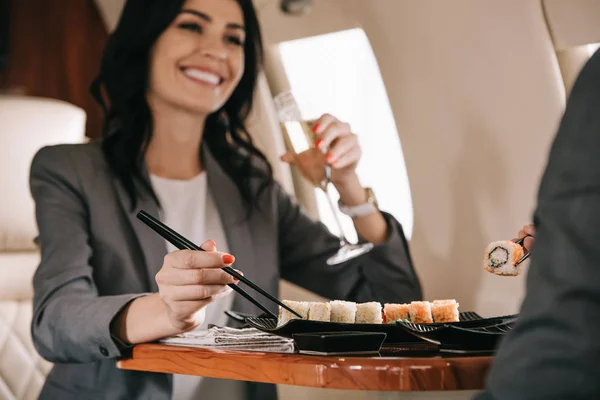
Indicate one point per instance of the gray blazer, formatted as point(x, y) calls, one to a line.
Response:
point(97, 256)
point(554, 350)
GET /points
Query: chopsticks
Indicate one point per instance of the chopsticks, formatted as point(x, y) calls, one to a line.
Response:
point(526, 256)
point(184, 244)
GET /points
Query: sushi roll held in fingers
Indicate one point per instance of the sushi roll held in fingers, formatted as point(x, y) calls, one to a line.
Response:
point(501, 258)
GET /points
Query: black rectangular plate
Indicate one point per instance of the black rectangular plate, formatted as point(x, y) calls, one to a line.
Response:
point(339, 343)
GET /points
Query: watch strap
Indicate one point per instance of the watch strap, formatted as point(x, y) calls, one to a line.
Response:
point(361, 210)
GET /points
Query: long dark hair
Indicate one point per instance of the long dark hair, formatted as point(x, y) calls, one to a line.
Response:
point(121, 85)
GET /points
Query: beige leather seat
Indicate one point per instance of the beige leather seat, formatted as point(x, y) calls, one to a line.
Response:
point(26, 125)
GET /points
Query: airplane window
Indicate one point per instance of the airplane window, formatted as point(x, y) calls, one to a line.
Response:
point(338, 73)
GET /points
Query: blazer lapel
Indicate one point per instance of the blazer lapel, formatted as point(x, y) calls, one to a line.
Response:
point(233, 218)
point(153, 247)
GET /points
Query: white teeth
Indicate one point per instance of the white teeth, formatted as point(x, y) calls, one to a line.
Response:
point(203, 76)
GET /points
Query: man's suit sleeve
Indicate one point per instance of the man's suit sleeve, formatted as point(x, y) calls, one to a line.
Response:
point(553, 351)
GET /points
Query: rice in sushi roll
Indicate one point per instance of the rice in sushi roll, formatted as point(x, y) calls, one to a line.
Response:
point(501, 257)
point(319, 312)
point(420, 312)
point(343, 311)
point(445, 311)
point(395, 312)
point(369, 313)
point(301, 307)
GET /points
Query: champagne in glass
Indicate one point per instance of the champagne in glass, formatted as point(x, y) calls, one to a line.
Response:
point(300, 139)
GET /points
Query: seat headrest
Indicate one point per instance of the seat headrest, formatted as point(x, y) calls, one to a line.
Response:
point(26, 125)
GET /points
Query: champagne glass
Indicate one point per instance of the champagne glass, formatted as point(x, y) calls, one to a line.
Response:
point(300, 139)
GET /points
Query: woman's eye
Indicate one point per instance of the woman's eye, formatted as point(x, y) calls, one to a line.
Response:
point(191, 26)
point(235, 40)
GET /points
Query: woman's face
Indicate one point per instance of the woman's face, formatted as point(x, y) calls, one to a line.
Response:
point(198, 60)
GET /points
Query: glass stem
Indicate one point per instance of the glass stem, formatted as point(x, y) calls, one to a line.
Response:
point(325, 188)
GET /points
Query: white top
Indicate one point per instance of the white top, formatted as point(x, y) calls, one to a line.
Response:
point(188, 208)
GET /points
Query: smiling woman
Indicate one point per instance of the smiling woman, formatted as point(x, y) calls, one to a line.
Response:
point(189, 44)
point(200, 81)
point(176, 83)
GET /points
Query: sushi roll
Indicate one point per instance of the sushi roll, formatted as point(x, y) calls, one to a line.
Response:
point(319, 312)
point(395, 312)
point(420, 312)
point(501, 258)
point(445, 311)
point(343, 311)
point(301, 307)
point(369, 313)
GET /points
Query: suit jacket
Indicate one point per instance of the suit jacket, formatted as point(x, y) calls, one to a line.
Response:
point(97, 256)
point(553, 351)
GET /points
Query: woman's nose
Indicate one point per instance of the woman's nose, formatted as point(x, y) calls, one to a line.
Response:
point(214, 48)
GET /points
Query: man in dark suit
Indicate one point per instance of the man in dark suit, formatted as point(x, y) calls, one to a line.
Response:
point(554, 350)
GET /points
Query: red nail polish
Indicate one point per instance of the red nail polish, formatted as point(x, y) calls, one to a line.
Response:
point(329, 158)
point(318, 143)
point(315, 128)
point(228, 259)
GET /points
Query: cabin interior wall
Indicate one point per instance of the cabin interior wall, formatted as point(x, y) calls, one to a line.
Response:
point(476, 105)
point(55, 48)
point(572, 23)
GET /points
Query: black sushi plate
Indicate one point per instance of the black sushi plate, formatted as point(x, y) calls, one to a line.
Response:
point(471, 334)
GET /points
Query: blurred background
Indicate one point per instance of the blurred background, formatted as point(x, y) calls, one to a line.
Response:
point(455, 102)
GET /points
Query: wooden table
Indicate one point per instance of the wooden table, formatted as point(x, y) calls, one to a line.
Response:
point(429, 372)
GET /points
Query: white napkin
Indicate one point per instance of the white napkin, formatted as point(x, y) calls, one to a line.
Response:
point(250, 339)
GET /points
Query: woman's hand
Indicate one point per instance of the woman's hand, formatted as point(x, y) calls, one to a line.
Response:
point(525, 231)
point(341, 147)
point(342, 152)
point(189, 280)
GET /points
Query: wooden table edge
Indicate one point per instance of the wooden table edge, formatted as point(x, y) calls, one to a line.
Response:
point(339, 372)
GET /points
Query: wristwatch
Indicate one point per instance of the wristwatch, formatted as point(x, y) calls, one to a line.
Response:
point(361, 210)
